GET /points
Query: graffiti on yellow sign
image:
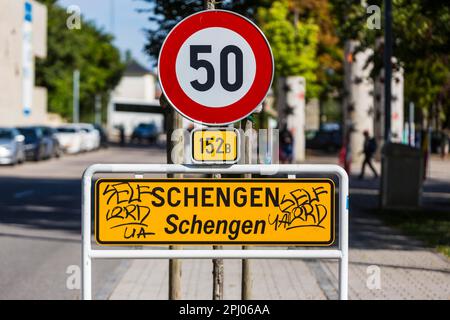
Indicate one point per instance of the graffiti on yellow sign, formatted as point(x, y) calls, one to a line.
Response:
point(219, 211)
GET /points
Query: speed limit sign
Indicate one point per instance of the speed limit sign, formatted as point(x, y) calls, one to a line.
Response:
point(215, 67)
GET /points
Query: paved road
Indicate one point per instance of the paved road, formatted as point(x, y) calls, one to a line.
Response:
point(40, 224)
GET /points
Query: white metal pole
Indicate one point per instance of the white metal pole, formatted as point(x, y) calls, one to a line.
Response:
point(217, 254)
point(267, 170)
point(86, 267)
point(343, 234)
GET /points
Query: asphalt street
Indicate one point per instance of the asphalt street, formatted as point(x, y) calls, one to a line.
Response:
point(40, 225)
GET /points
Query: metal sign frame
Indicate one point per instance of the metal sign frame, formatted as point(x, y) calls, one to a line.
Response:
point(88, 254)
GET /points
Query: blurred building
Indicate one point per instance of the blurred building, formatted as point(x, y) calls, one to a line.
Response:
point(312, 115)
point(23, 38)
point(134, 100)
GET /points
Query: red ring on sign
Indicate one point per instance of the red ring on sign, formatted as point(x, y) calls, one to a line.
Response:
point(194, 110)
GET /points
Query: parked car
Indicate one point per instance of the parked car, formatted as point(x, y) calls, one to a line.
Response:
point(70, 139)
point(104, 142)
point(36, 146)
point(51, 141)
point(90, 136)
point(12, 148)
point(327, 139)
point(145, 132)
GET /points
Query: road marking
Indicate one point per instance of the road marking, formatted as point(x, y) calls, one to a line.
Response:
point(443, 195)
point(23, 194)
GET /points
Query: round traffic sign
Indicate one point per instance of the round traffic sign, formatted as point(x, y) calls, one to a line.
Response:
point(215, 67)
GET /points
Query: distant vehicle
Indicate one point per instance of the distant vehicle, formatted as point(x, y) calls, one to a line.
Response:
point(436, 141)
point(70, 139)
point(12, 148)
point(104, 142)
point(51, 141)
point(128, 114)
point(145, 132)
point(327, 138)
point(91, 136)
point(330, 126)
point(36, 146)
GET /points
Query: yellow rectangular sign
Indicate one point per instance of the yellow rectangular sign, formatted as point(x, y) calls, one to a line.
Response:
point(215, 211)
point(215, 145)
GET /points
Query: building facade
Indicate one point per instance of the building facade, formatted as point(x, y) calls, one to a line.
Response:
point(134, 101)
point(23, 38)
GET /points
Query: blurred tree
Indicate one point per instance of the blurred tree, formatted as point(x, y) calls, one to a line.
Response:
point(165, 14)
point(428, 85)
point(294, 46)
point(88, 49)
point(329, 50)
point(421, 31)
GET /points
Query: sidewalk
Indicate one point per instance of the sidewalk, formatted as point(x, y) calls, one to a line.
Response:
point(408, 270)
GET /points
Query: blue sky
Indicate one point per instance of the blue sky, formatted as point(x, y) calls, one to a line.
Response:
point(120, 18)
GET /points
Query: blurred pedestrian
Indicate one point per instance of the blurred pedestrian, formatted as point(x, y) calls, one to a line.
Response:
point(286, 146)
point(122, 135)
point(369, 149)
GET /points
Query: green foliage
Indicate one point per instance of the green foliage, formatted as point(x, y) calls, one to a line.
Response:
point(318, 47)
point(331, 111)
point(421, 32)
point(90, 50)
point(167, 13)
point(430, 226)
point(294, 47)
point(329, 51)
point(424, 84)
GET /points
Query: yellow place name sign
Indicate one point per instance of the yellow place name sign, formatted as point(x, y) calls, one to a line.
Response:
point(215, 211)
point(215, 145)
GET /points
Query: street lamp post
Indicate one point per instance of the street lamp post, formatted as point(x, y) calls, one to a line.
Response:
point(76, 97)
